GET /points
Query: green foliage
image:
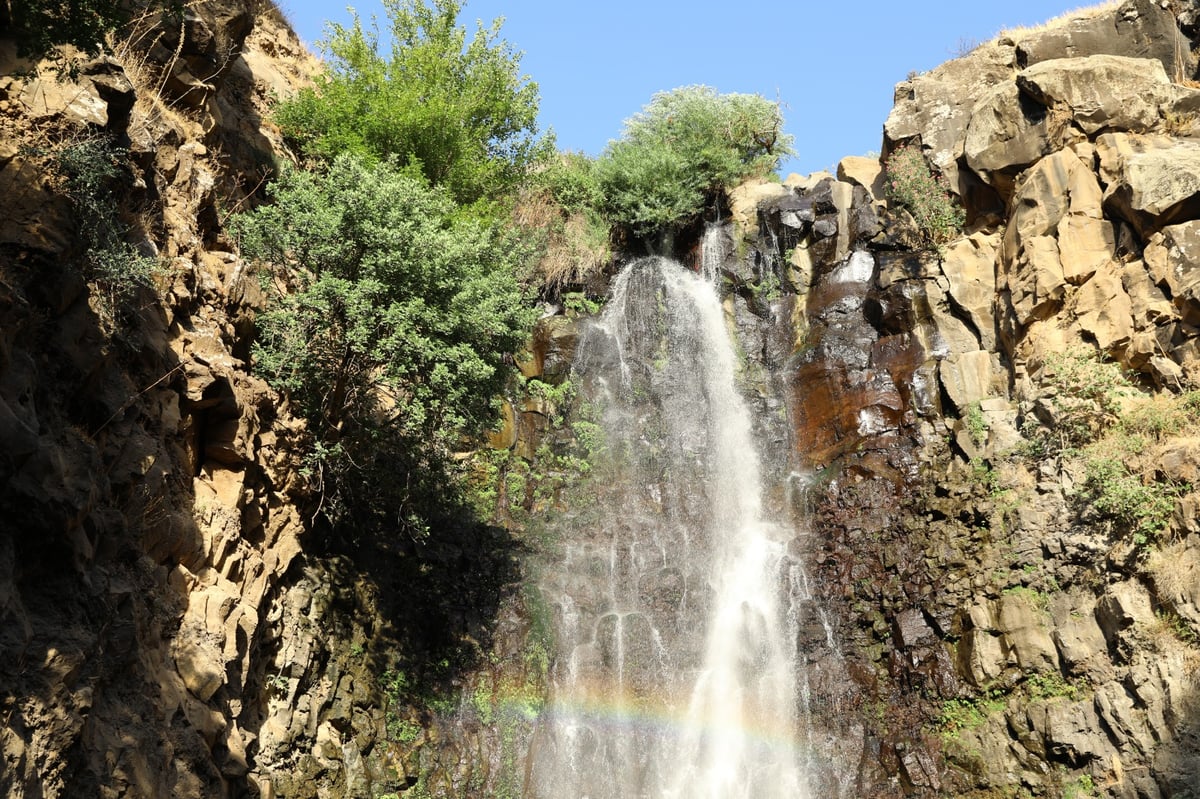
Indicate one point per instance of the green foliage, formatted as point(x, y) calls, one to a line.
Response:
point(1086, 400)
point(962, 715)
point(1080, 787)
point(90, 168)
point(1135, 507)
point(38, 26)
point(684, 146)
point(976, 423)
point(911, 184)
point(1052, 685)
point(457, 111)
point(393, 338)
point(572, 182)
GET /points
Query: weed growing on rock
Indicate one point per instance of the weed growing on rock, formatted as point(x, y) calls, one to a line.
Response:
point(1134, 506)
point(1052, 685)
point(910, 183)
point(89, 168)
point(962, 715)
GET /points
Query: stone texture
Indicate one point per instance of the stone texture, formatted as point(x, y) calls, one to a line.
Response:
point(969, 265)
point(1103, 92)
point(936, 107)
point(1057, 236)
point(1006, 133)
point(1136, 28)
point(862, 171)
point(1104, 311)
point(1152, 181)
point(966, 377)
point(1173, 260)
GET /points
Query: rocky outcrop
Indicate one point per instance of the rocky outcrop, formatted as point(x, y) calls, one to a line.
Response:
point(980, 584)
point(152, 496)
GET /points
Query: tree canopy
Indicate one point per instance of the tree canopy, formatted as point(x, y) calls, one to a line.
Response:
point(394, 336)
point(458, 111)
point(681, 148)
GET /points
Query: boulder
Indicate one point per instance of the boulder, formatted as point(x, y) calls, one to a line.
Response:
point(1103, 92)
point(1025, 633)
point(969, 265)
point(1104, 311)
point(1057, 203)
point(936, 107)
point(1138, 28)
point(745, 199)
point(966, 377)
point(862, 171)
point(1123, 605)
point(1152, 181)
point(1173, 260)
point(1081, 645)
point(1006, 133)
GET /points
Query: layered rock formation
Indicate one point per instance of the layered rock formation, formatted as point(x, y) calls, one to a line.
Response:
point(1035, 645)
point(153, 621)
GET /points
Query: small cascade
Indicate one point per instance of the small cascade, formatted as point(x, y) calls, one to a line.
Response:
point(679, 605)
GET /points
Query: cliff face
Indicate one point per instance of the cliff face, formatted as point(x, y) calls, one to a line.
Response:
point(147, 525)
point(1011, 627)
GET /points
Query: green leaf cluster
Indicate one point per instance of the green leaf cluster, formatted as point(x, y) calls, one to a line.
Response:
point(910, 183)
point(393, 335)
point(1141, 508)
point(89, 168)
point(684, 146)
point(457, 111)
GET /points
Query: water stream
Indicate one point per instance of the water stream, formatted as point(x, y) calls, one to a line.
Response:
point(678, 604)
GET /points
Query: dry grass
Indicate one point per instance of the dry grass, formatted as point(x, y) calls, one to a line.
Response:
point(1086, 12)
point(575, 246)
point(1175, 570)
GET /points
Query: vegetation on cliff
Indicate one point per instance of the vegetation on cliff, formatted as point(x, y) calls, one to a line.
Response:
point(395, 328)
point(681, 150)
point(459, 112)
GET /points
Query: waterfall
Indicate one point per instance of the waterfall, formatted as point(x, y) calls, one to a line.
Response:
point(678, 604)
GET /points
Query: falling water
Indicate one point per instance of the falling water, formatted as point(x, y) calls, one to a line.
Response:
point(678, 603)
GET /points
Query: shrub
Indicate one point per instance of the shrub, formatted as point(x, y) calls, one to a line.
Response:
point(38, 26)
point(684, 146)
point(457, 111)
point(89, 168)
point(1139, 508)
point(558, 211)
point(394, 338)
point(911, 184)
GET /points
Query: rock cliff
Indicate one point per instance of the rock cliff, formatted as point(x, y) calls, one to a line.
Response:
point(973, 410)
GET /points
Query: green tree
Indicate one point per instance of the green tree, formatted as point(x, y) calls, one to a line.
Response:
point(458, 111)
point(682, 148)
point(38, 26)
point(392, 337)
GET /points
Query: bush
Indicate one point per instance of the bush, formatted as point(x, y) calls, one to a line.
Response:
point(89, 168)
point(683, 147)
point(1137, 508)
point(558, 211)
point(457, 111)
point(911, 184)
point(38, 26)
point(394, 337)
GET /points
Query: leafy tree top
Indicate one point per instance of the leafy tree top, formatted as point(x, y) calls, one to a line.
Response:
point(685, 145)
point(458, 111)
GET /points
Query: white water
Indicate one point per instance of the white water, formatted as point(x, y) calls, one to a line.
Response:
point(676, 674)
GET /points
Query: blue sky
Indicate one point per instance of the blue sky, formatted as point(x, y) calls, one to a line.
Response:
point(833, 63)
